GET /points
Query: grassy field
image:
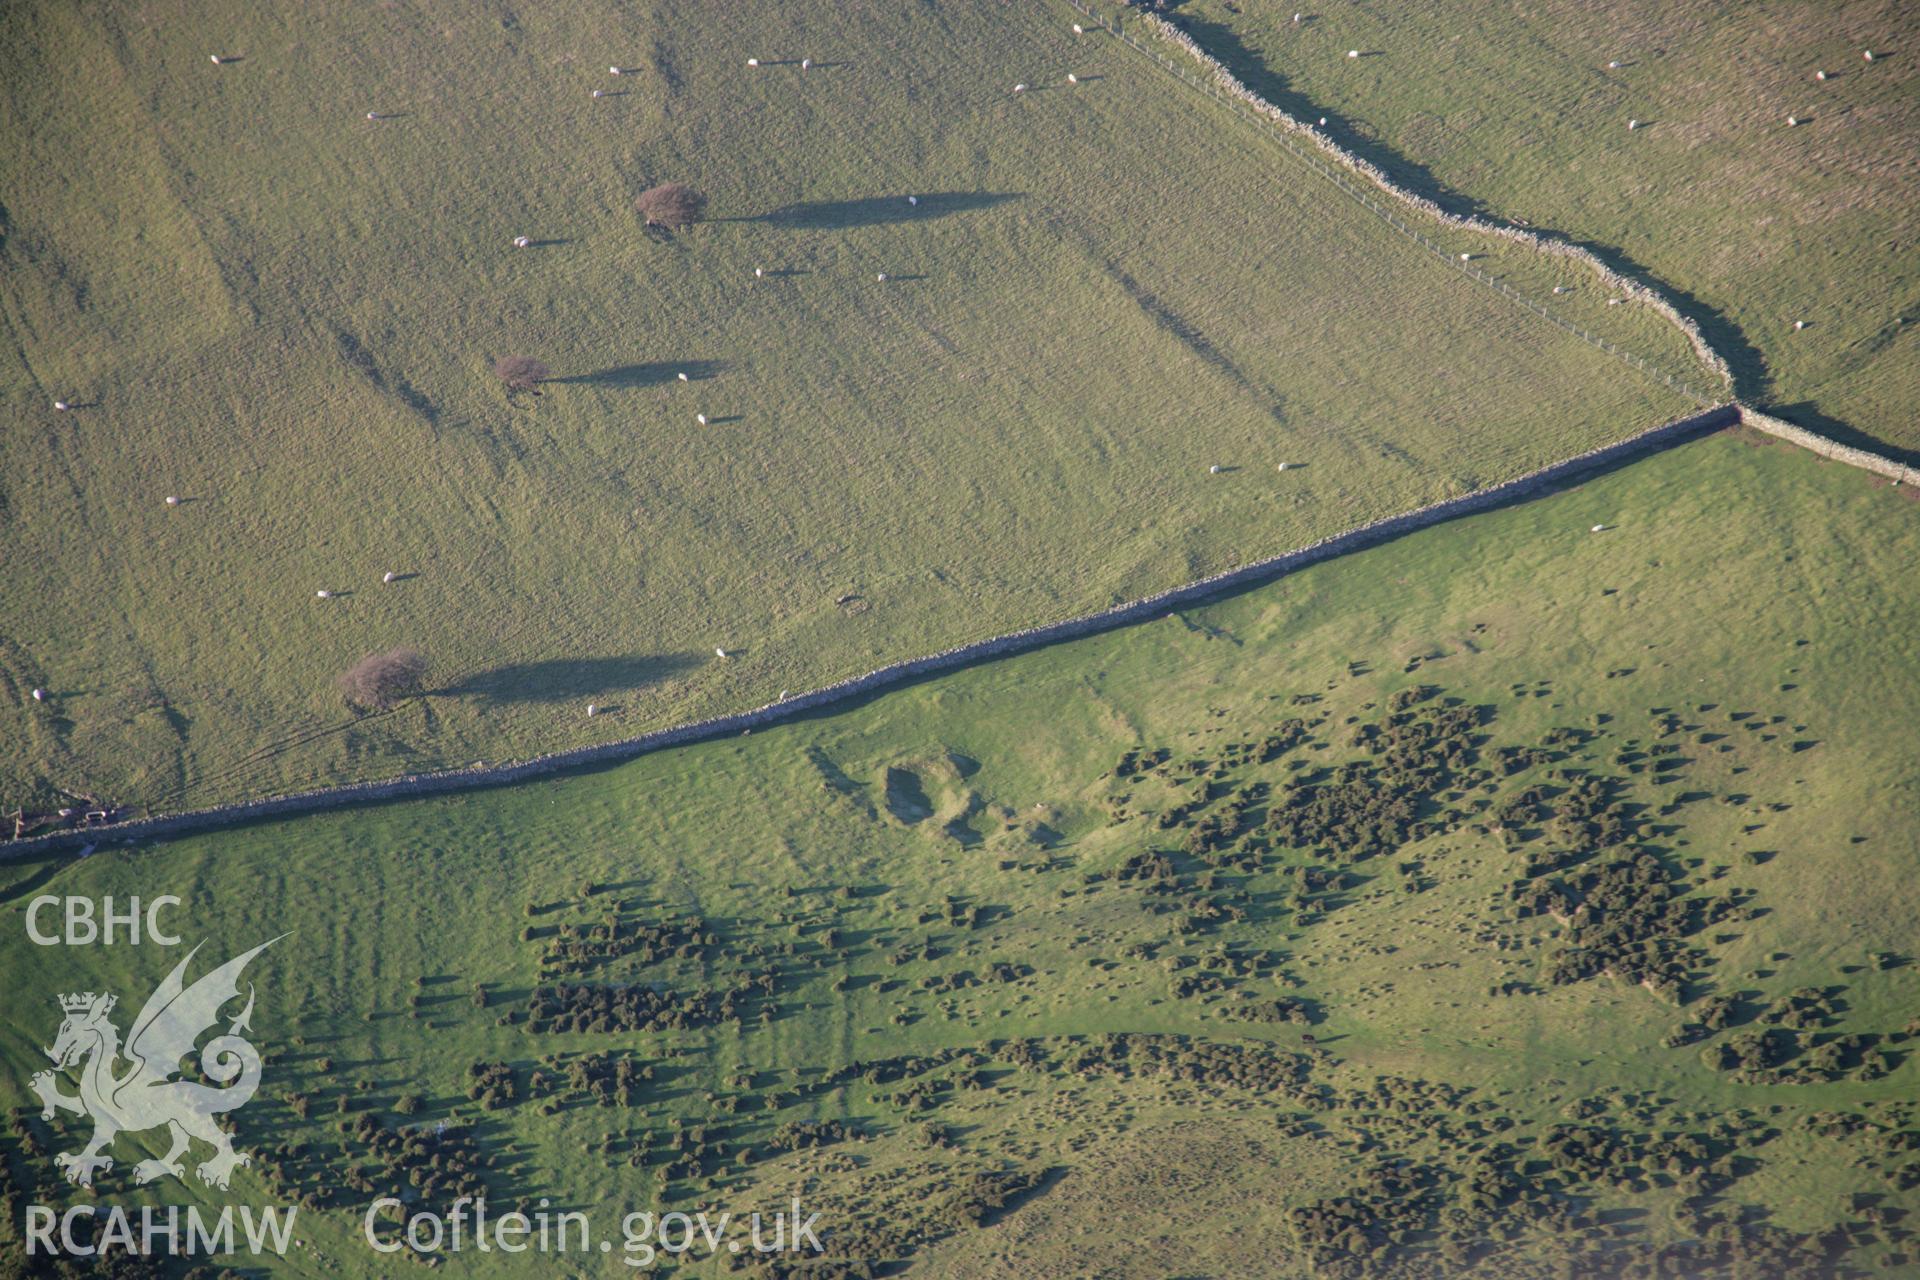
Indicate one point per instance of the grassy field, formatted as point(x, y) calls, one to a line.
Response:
point(1750, 222)
point(283, 313)
point(1122, 932)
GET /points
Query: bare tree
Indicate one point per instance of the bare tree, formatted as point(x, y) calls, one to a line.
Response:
point(521, 373)
point(379, 680)
point(671, 204)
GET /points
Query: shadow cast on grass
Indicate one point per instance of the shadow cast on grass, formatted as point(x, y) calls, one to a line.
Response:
point(649, 374)
point(562, 679)
point(873, 211)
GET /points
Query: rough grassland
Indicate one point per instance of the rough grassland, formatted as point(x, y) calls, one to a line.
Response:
point(1735, 657)
point(1750, 222)
point(284, 314)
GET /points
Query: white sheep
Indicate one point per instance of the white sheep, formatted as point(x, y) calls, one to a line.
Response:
point(1792, 121)
point(387, 577)
point(1214, 470)
point(1614, 302)
point(1078, 29)
point(1297, 18)
point(1353, 53)
point(719, 652)
point(1867, 54)
point(172, 501)
point(599, 93)
point(806, 64)
point(753, 62)
point(1466, 257)
point(1323, 122)
point(1020, 88)
point(759, 274)
point(1819, 75)
point(1613, 66)
point(591, 708)
point(39, 695)
point(682, 375)
point(613, 71)
point(1559, 288)
point(62, 405)
point(1599, 528)
point(323, 594)
point(374, 115)
point(217, 59)
point(700, 418)
point(1072, 78)
point(881, 277)
point(521, 242)
point(1281, 467)
point(1632, 125)
point(913, 200)
point(1799, 325)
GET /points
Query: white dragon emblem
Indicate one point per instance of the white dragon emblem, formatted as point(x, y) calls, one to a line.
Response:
point(145, 1096)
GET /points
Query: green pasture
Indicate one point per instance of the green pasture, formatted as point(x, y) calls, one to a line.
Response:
point(283, 313)
point(1744, 611)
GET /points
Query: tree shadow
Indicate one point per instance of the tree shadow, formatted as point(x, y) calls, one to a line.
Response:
point(649, 374)
point(561, 679)
point(873, 211)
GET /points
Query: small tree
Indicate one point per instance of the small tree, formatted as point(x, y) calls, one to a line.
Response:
point(672, 205)
point(379, 680)
point(521, 373)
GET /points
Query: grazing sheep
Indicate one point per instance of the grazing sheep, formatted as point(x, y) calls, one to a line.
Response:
point(1614, 302)
point(172, 501)
point(1296, 19)
point(759, 274)
point(613, 71)
point(599, 93)
point(682, 375)
point(1072, 78)
point(387, 577)
point(753, 62)
point(1599, 528)
point(1792, 121)
point(806, 64)
point(39, 695)
point(1799, 325)
point(1559, 288)
point(700, 418)
point(881, 277)
point(1613, 66)
point(719, 653)
point(1819, 75)
point(323, 595)
point(1867, 55)
point(1214, 470)
point(1466, 257)
point(1353, 53)
point(62, 405)
point(913, 200)
point(1020, 88)
point(591, 708)
point(1323, 122)
point(217, 59)
point(1078, 29)
point(373, 115)
point(1632, 125)
point(521, 242)
point(1281, 467)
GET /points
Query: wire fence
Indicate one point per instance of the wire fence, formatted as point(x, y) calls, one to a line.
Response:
point(1370, 199)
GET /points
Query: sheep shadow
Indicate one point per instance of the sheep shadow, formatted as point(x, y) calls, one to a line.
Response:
point(873, 211)
point(563, 679)
point(648, 374)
